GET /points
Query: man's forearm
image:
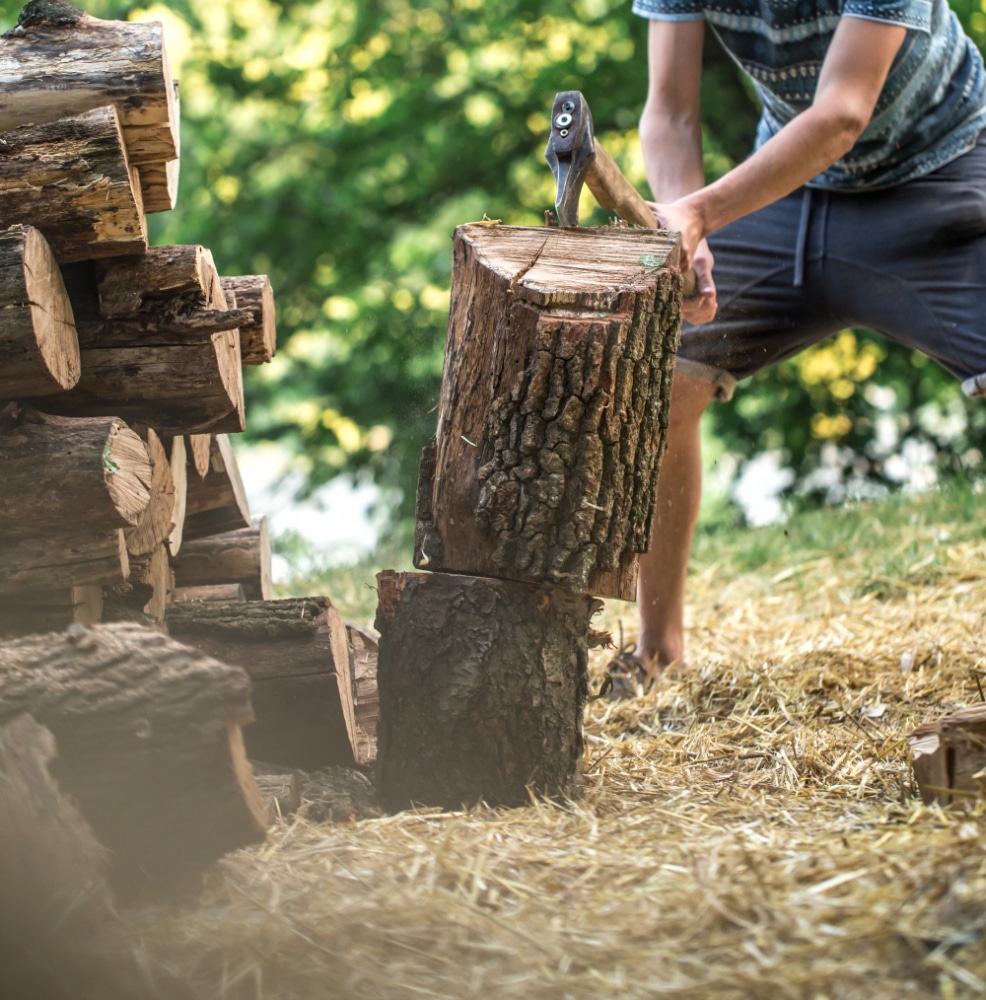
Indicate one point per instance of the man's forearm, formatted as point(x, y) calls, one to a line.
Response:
point(672, 148)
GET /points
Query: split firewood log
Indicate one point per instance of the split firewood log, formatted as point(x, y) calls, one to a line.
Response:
point(158, 345)
point(67, 476)
point(58, 562)
point(297, 656)
point(39, 346)
point(49, 175)
point(116, 62)
point(242, 556)
point(149, 744)
point(217, 502)
point(258, 339)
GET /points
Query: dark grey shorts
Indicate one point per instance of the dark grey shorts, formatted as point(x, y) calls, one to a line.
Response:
point(908, 261)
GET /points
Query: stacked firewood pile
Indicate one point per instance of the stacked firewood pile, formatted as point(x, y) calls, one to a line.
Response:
point(123, 517)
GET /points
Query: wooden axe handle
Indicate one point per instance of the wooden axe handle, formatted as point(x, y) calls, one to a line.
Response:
point(613, 191)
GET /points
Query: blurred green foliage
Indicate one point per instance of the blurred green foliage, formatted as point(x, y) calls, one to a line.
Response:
point(335, 144)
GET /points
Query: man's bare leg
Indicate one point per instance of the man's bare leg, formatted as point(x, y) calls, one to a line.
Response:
point(661, 583)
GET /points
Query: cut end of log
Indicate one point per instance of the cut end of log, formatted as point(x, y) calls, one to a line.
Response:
point(253, 292)
point(39, 345)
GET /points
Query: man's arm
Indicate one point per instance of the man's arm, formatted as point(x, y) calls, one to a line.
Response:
point(671, 136)
point(849, 85)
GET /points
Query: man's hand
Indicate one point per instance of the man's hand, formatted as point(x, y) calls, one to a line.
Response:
point(695, 256)
point(701, 307)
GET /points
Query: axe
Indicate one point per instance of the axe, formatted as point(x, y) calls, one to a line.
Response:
point(576, 158)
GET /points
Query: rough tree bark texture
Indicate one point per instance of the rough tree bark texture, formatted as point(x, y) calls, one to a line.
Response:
point(482, 686)
point(59, 61)
point(242, 556)
point(71, 180)
point(258, 340)
point(149, 744)
point(69, 475)
point(39, 346)
point(297, 656)
point(57, 562)
point(554, 406)
point(172, 362)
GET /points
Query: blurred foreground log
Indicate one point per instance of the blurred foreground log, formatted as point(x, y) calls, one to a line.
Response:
point(297, 655)
point(464, 719)
point(149, 744)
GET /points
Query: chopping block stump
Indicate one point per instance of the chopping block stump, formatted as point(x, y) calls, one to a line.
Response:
point(482, 687)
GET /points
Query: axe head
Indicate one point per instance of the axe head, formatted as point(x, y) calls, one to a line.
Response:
point(570, 152)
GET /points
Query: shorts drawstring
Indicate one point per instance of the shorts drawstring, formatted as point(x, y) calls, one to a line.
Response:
point(802, 239)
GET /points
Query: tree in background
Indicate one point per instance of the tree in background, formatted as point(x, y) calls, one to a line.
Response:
point(335, 144)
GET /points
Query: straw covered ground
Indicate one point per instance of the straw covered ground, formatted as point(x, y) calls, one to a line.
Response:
point(748, 829)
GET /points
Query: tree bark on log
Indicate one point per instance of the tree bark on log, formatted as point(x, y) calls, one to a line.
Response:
point(212, 592)
point(241, 556)
point(59, 62)
point(54, 896)
point(71, 180)
point(253, 293)
point(63, 476)
point(173, 365)
point(39, 346)
point(149, 744)
point(482, 687)
point(218, 502)
point(59, 562)
point(297, 656)
point(554, 406)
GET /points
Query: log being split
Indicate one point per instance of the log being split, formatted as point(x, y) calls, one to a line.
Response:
point(59, 61)
point(949, 757)
point(39, 347)
point(258, 339)
point(482, 686)
point(71, 180)
point(297, 656)
point(65, 476)
point(169, 360)
point(149, 743)
point(554, 406)
point(217, 501)
point(242, 556)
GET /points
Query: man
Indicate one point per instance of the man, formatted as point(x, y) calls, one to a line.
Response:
point(863, 203)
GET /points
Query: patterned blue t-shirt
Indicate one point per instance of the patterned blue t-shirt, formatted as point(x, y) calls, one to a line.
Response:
point(931, 109)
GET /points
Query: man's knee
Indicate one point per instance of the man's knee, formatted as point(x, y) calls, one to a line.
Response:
point(689, 399)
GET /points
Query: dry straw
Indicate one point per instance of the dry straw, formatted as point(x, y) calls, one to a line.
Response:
point(748, 829)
